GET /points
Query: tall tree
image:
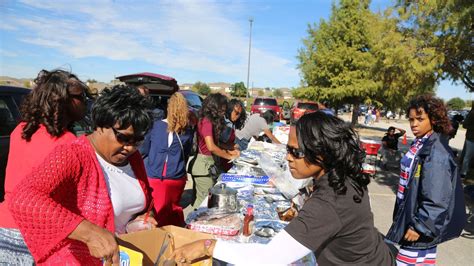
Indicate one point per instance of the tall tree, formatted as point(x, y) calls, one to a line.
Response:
point(201, 88)
point(361, 57)
point(447, 25)
point(238, 89)
point(456, 103)
point(405, 65)
point(277, 93)
point(335, 61)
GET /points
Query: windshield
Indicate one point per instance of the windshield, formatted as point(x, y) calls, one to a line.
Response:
point(261, 101)
point(193, 100)
point(308, 106)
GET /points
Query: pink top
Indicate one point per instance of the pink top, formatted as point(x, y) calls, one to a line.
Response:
point(23, 156)
point(204, 130)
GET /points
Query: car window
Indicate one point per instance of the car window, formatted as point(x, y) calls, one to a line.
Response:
point(7, 118)
point(308, 106)
point(260, 101)
point(193, 100)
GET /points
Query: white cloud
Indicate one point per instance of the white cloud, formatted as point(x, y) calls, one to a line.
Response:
point(7, 53)
point(189, 35)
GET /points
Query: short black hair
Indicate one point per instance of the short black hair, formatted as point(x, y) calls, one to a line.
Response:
point(390, 128)
point(125, 106)
point(269, 116)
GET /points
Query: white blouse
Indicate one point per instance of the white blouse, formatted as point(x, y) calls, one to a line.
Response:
point(125, 192)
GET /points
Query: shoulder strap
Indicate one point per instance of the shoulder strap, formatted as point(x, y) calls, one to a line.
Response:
point(181, 144)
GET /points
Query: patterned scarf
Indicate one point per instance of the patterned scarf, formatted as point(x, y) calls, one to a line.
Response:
point(407, 164)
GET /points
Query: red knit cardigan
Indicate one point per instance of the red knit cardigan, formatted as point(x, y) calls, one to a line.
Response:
point(66, 188)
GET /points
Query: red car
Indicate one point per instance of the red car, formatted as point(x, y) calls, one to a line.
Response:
point(262, 104)
point(300, 108)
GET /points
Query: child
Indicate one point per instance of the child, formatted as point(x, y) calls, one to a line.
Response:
point(429, 208)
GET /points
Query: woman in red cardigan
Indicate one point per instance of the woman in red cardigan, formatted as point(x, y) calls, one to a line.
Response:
point(69, 208)
point(57, 100)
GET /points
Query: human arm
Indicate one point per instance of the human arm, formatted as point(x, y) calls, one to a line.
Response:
point(226, 154)
point(44, 206)
point(435, 193)
point(271, 136)
point(402, 131)
point(100, 242)
point(282, 249)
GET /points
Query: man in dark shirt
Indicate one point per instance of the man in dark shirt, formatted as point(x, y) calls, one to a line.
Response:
point(390, 146)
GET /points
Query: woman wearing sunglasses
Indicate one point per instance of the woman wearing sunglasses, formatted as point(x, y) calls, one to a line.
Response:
point(88, 189)
point(56, 101)
point(335, 223)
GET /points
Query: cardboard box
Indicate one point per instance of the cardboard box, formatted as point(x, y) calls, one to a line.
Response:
point(161, 240)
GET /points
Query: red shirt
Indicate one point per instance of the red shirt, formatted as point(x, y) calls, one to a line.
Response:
point(68, 187)
point(23, 156)
point(204, 130)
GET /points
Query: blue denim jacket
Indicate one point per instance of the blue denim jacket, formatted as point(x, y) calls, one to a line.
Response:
point(434, 202)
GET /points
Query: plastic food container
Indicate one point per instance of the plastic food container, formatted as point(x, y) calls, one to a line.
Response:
point(137, 225)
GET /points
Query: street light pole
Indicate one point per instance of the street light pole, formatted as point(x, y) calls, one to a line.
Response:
point(248, 66)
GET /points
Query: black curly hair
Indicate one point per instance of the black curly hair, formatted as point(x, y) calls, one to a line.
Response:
point(214, 108)
point(435, 109)
point(48, 102)
point(125, 106)
point(329, 142)
point(239, 124)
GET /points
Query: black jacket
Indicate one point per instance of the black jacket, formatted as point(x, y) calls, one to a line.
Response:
point(433, 204)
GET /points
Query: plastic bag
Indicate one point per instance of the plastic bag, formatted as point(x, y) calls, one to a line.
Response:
point(281, 176)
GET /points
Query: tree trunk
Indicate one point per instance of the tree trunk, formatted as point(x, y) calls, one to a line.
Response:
point(355, 114)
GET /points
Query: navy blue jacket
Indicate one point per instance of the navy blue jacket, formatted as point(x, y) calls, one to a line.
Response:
point(155, 149)
point(433, 204)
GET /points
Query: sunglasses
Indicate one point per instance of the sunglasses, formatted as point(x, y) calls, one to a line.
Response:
point(295, 152)
point(81, 97)
point(127, 139)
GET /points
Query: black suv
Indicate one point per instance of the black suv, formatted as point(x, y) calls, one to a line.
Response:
point(10, 100)
point(161, 87)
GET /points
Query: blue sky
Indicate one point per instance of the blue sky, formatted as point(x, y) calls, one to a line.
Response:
point(189, 40)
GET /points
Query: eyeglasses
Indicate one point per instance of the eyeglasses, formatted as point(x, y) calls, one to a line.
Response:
point(127, 139)
point(81, 97)
point(295, 152)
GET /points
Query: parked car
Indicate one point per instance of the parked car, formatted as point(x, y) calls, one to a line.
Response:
point(390, 115)
point(161, 87)
point(10, 100)
point(262, 104)
point(300, 108)
point(285, 111)
point(363, 109)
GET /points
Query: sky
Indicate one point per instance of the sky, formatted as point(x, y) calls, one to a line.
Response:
point(189, 40)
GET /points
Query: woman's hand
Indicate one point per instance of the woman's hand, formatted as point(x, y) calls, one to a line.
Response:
point(150, 219)
point(100, 242)
point(233, 154)
point(411, 235)
point(186, 254)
